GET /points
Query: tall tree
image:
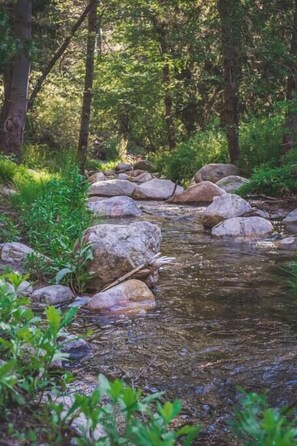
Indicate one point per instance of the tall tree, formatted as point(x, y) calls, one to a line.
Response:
point(88, 87)
point(230, 47)
point(16, 77)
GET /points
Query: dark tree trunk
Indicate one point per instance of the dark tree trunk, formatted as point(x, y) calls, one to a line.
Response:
point(87, 97)
point(16, 77)
point(230, 54)
point(57, 56)
point(290, 134)
point(160, 29)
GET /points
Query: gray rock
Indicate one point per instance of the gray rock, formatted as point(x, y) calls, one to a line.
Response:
point(97, 177)
point(156, 190)
point(201, 193)
point(24, 289)
point(215, 172)
point(287, 244)
point(118, 249)
point(14, 252)
point(53, 295)
point(112, 188)
point(143, 178)
point(123, 167)
point(291, 221)
point(123, 176)
point(232, 183)
point(115, 207)
point(253, 228)
point(143, 165)
point(224, 207)
point(75, 347)
point(132, 296)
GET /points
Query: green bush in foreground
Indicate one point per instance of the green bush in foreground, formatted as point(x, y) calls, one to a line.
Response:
point(31, 385)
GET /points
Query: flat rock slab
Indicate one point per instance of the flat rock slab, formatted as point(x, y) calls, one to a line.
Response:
point(252, 228)
point(112, 188)
point(201, 193)
point(118, 249)
point(224, 207)
point(215, 172)
point(156, 190)
point(232, 183)
point(132, 296)
point(115, 207)
point(53, 295)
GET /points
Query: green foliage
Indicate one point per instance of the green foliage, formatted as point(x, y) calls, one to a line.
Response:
point(9, 231)
point(272, 181)
point(8, 44)
point(7, 169)
point(260, 141)
point(292, 277)
point(39, 267)
point(257, 424)
point(181, 164)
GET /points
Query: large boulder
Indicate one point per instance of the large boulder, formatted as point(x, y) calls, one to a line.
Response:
point(224, 207)
point(132, 296)
point(118, 249)
point(253, 228)
point(291, 221)
point(97, 177)
point(143, 178)
point(143, 165)
point(53, 295)
point(14, 252)
point(112, 188)
point(123, 167)
point(114, 207)
point(232, 183)
point(156, 190)
point(201, 193)
point(214, 172)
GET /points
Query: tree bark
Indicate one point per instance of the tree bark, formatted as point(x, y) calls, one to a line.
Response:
point(57, 56)
point(89, 79)
point(230, 55)
point(290, 134)
point(16, 77)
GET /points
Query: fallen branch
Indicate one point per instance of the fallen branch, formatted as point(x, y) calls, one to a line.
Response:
point(154, 263)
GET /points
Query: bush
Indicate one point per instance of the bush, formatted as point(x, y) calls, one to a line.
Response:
point(180, 165)
point(7, 169)
point(273, 181)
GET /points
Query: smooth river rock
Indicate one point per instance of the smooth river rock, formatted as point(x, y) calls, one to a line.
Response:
point(232, 183)
point(143, 178)
point(143, 165)
point(224, 207)
point(132, 296)
point(14, 252)
point(253, 228)
point(215, 172)
point(53, 295)
point(123, 167)
point(201, 193)
point(114, 207)
point(118, 249)
point(156, 190)
point(291, 221)
point(112, 188)
point(97, 177)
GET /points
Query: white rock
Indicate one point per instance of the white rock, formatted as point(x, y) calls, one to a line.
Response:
point(97, 177)
point(115, 207)
point(232, 183)
point(215, 172)
point(112, 188)
point(14, 252)
point(224, 207)
point(252, 228)
point(156, 190)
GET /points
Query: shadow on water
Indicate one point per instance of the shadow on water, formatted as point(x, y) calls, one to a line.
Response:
point(223, 321)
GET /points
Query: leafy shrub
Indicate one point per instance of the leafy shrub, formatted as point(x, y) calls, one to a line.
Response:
point(260, 142)
point(9, 231)
point(273, 181)
point(189, 156)
point(7, 169)
point(257, 424)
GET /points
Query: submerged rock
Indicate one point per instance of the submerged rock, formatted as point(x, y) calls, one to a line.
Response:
point(224, 207)
point(112, 188)
point(232, 183)
point(252, 228)
point(201, 193)
point(156, 190)
point(53, 295)
point(132, 296)
point(118, 249)
point(115, 207)
point(215, 172)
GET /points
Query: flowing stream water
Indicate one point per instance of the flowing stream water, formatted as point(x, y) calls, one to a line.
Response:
point(223, 321)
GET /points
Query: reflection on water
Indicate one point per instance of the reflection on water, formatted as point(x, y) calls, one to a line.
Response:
point(223, 321)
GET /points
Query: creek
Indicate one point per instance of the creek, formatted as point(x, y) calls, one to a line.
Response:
point(224, 320)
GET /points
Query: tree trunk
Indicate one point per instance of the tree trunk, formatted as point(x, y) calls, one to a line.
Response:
point(16, 77)
point(87, 97)
point(290, 134)
point(230, 54)
point(57, 56)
